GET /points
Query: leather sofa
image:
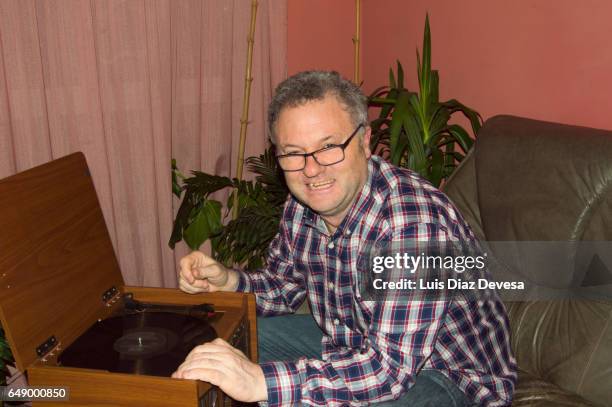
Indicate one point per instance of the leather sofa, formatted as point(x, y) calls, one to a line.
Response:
point(528, 180)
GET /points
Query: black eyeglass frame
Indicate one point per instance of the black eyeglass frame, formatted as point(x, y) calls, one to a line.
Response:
point(342, 146)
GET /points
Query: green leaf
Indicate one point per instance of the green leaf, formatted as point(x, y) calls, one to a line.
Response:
point(176, 187)
point(198, 230)
point(462, 137)
point(474, 117)
point(206, 222)
point(402, 148)
point(392, 83)
point(378, 92)
point(437, 167)
point(397, 120)
point(400, 75)
point(212, 211)
point(381, 101)
point(449, 150)
point(380, 137)
point(182, 219)
point(391, 96)
point(420, 119)
point(205, 184)
point(426, 48)
point(377, 123)
point(414, 134)
point(437, 124)
point(419, 71)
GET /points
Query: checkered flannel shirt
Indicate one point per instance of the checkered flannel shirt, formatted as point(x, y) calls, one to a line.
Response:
point(372, 351)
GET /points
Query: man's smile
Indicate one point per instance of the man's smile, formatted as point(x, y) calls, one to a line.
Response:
point(320, 185)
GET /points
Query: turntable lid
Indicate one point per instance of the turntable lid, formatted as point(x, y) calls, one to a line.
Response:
point(56, 257)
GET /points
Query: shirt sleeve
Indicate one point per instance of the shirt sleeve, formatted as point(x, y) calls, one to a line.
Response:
point(381, 371)
point(279, 288)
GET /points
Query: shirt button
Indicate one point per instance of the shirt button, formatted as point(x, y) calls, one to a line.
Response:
point(336, 321)
point(331, 286)
point(331, 245)
point(347, 233)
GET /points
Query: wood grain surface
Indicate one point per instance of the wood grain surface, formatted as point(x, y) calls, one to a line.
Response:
point(56, 262)
point(56, 257)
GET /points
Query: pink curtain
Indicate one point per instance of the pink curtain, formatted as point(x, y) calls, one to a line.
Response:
point(133, 83)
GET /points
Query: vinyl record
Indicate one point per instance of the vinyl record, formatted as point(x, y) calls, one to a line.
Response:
point(149, 343)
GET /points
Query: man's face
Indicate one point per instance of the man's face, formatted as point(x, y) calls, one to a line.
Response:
point(328, 190)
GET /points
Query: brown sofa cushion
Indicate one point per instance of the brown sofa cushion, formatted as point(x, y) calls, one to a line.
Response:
point(568, 343)
point(534, 392)
point(544, 181)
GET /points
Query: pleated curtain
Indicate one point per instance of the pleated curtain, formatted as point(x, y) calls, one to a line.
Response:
point(132, 84)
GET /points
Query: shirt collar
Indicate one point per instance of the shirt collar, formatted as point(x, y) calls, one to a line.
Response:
point(370, 190)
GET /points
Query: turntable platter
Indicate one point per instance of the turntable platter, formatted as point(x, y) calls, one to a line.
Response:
point(148, 343)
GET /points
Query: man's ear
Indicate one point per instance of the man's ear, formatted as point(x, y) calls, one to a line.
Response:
point(365, 141)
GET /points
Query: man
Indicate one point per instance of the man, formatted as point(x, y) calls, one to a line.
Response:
point(343, 198)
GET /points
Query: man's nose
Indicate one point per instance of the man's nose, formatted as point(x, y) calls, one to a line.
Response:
point(312, 167)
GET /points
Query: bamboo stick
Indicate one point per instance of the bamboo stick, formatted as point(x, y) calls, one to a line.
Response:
point(356, 42)
point(244, 119)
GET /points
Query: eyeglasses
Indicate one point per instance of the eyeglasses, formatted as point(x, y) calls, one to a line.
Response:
point(329, 155)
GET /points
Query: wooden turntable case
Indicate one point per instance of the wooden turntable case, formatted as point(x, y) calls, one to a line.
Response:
point(57, 269)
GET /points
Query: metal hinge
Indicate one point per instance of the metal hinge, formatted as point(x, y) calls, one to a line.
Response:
point(47, 348)
point(110, 296)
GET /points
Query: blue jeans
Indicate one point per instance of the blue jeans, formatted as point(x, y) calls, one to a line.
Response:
point(293, 336)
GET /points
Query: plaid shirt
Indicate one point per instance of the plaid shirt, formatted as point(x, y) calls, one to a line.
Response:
point(372, 351)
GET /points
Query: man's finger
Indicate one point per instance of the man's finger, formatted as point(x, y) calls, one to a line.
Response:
point(210, 362)
point(226, 345)
point(190, 288)
point(185, 286)
point(186, 269)
point(197, 284)
point(212, 376)
point(205, 349)
point(203, 271)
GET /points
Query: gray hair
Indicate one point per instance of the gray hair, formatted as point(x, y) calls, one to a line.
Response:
point(316, 85)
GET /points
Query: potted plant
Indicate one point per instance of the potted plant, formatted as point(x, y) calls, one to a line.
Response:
point(245, 239)
point(412, 128)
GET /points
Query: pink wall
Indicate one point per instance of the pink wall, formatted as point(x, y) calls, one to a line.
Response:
point(545, 59)
point(320, 35)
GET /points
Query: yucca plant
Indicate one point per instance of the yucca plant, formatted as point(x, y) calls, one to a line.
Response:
point(243, 240)
point(412, 129)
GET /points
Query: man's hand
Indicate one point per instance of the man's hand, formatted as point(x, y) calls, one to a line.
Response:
point(219, 363)
point(200, 273)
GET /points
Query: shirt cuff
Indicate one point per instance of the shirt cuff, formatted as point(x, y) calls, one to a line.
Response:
point(244, 282)
point(284, 384)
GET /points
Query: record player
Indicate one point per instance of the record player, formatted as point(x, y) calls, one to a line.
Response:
point(59, 277)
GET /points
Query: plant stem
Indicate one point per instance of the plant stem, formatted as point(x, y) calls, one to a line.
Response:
point(244, 120)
